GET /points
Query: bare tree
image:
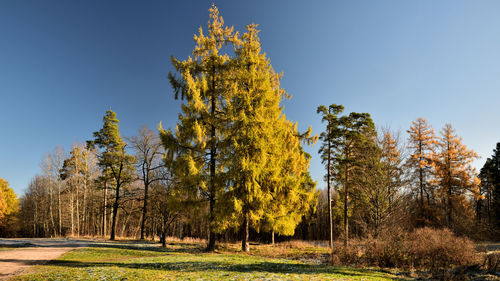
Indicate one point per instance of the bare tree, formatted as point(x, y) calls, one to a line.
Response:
point(51, 166)
point(149, 152)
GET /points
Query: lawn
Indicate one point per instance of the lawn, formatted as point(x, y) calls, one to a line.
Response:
point(187, 261)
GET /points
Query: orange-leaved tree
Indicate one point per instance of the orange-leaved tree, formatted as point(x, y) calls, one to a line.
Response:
point(421, 145)
point(454, 174)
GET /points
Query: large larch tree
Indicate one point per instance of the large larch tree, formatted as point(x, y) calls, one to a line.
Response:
point(200, 132)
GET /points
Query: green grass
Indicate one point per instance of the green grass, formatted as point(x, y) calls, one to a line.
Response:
point(186, 262)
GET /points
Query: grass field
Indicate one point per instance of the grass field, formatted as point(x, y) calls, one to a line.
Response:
point(187, 261)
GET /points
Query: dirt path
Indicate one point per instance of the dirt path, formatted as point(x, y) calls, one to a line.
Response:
point(28, 252)
point(14, 262)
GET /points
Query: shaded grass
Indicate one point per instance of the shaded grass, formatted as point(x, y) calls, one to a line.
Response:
point(185, 262)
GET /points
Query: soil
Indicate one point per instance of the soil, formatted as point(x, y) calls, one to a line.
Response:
point(28, 252)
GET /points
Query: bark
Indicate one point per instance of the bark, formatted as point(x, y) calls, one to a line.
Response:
point(115, 211)
point(144, 209)
point(59, 205)
point(77, 212)
point(330, 221)
point(211, 232)
point(51, 211)
point(104, 208)
point(164, 232)
point(72, 216)
point(346, 220)
point(245, 247)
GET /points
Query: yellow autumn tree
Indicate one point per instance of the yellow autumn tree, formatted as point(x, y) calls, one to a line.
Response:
point(3, 205)
point(455, 177)
point(9, 206)
point(200, 136)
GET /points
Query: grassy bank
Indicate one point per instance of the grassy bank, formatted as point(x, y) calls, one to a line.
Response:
point(187, 261)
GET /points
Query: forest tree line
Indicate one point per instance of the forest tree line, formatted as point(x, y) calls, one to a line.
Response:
point(234, 167)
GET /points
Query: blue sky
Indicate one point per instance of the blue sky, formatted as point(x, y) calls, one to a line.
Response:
point(64, 63)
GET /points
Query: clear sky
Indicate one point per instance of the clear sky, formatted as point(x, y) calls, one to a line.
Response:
point(64, 63)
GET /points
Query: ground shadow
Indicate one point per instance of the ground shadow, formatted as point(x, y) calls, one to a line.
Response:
point(171, 247)
point(261, 267)
point(128, 245)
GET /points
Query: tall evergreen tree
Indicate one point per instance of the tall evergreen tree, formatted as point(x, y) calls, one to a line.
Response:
point(351, 135)
point(117, 164)
point(354, 132)
point(495, 176)
point(326, 151)
point(489, 182)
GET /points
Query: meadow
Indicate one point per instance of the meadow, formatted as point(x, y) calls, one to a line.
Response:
point(188, 261)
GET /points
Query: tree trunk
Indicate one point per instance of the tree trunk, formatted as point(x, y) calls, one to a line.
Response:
point(144, 210)
point(211, 232)
point(115, 211)
point(330, 221)
point(77, 211)
point(272, 237)
point(59, 205)
point(346, 220)
point(51, 211)
point(35, 219)
point(85, 215)
point(104, 208)
point(245, 247)
point(72, 216)
point(164, 232)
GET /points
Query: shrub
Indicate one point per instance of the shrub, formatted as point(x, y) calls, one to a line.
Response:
point(424, 248)
point(492, 262)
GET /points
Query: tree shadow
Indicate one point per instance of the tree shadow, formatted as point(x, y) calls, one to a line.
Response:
point(128, 245)
point(258, 267)
point(171, 247)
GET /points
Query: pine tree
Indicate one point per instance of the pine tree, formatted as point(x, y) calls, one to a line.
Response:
point(116, 163)
point(493, 172)
point(199, 135)
point(488, 176)
point(421, 143)
point(351, 135)
point(454, 174)
point(326, 151)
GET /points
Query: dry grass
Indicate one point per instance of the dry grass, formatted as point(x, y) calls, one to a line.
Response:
point(309, 251)
point(424, 248)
